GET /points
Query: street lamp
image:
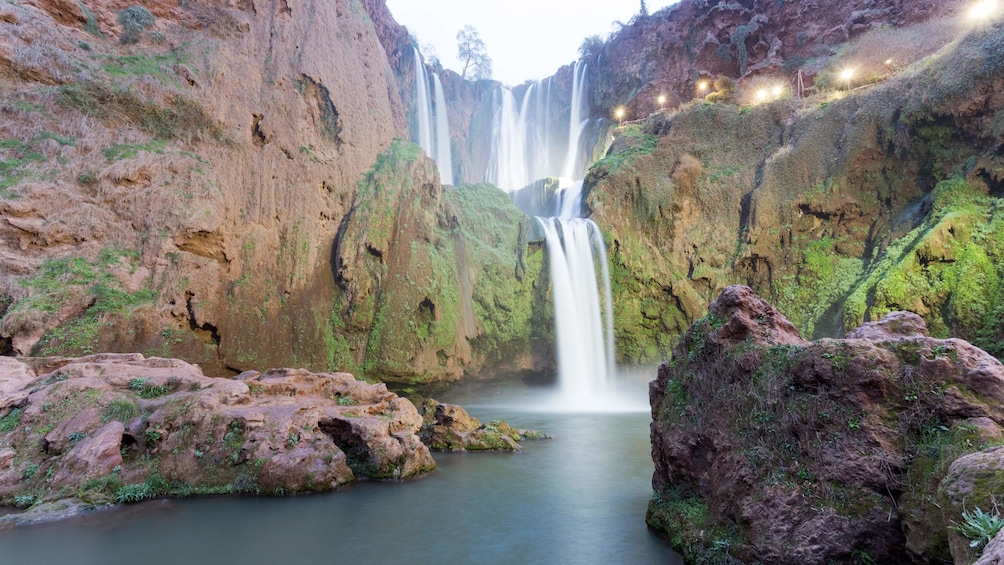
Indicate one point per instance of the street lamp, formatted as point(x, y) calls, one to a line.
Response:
point(846, 75)
point(619, 114)
point(662, 101)
point(702, 86)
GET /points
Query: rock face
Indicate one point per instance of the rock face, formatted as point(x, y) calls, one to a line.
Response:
point(779, 450)
point(198, 176)
point(903, 213)
point(669, 52)
point(207, 179)
point(437, 281)
point(122, 428)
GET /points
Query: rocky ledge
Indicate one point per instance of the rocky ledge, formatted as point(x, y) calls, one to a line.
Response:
point(875, 448)
point(76, 434)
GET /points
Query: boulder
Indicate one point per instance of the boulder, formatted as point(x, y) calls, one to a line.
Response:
point(448, 427)
point(788, 451)
point(121, 428)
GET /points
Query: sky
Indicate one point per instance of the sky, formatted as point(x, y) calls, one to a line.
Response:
point(526, 39)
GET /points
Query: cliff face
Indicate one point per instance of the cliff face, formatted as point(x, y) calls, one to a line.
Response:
point(840, 210)
point(182, 195)
point(670, 51)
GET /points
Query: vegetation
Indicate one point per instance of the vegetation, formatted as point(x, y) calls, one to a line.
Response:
point(62, 283)
point(979, 526)
point(134, 20)
point(473, 54)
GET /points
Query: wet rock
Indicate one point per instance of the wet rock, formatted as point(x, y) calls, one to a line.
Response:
point(121, 428)
point(448, 427)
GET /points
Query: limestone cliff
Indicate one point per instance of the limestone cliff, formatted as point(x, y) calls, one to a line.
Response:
point(179, 191)
point(840, 208)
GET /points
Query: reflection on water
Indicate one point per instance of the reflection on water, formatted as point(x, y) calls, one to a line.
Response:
point(579, 498)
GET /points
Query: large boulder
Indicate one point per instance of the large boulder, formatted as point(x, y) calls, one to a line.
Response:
point(774, 449)
point(122, 428)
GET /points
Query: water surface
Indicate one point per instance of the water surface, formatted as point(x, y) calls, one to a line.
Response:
point(579, 498)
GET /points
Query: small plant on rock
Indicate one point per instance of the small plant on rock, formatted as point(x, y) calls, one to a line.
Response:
point(979, 526)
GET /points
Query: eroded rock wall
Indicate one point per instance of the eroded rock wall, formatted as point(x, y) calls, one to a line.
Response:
point(838, 211)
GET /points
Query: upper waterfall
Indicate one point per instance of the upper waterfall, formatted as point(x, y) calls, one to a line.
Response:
point(432, 124)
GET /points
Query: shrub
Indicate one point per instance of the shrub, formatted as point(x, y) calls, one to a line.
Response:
point(134, 20)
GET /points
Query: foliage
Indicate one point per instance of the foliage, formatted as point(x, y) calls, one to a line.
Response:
point(121, 410)
point(978, 526)
point(134, 20)
point(591, 47)
point(11, 421)
point(473, 54)
point(184, 118)
point(59, 283)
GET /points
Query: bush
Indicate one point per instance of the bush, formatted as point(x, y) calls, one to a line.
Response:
point(134, 20)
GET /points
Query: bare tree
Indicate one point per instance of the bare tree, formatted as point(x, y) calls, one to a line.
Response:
point(473, 54)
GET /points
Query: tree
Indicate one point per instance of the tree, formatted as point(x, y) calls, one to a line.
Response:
point(134, 20)
point(644, 10)
point(473, 54)
point(591, 46)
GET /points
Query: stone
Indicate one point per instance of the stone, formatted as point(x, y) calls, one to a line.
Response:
point(109, 428)
point(797, 447)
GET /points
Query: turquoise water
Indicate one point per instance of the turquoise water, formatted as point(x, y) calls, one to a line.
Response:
point(579, 498)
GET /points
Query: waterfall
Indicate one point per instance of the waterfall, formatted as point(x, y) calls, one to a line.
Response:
point(444, 159)
point(583, 329)
point(576, 124)
point(432, 136)
point(522, 147)
point(507, 168)
point(423, 105)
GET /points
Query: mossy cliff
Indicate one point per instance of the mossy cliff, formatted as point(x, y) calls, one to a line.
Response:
point(436, 282)
point(838, 210)
point(181, 196)
point(769, 448)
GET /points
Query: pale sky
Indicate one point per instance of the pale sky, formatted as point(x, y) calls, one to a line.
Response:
point(526, 39)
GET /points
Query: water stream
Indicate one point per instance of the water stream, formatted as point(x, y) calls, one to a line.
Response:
point(432, 131)
point(579, 498)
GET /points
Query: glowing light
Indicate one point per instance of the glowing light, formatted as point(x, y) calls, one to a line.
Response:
point(619, 113)
point(778, 91)
point(888, 61)
point(702, 86)
point(761, 95)
point(662, 100)
point(984, 10)
point(847, 74)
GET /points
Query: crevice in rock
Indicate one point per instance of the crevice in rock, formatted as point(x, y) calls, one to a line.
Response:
point(327, 113)
point(374, 252)
point(284, 8)
point(257, 136)
point(356, 451)
point(206, 332)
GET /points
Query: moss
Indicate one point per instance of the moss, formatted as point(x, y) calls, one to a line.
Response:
point(948, 269)
point(692, 529)
point(60, 283)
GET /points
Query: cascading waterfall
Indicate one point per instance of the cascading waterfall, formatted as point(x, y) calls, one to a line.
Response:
point(433, 130)
point(521, 153)
point(443, 157)
point(584, 331)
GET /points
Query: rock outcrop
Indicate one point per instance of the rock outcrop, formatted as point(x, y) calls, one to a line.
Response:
point(774, 449)
point(122, 428)
point(448, 427)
